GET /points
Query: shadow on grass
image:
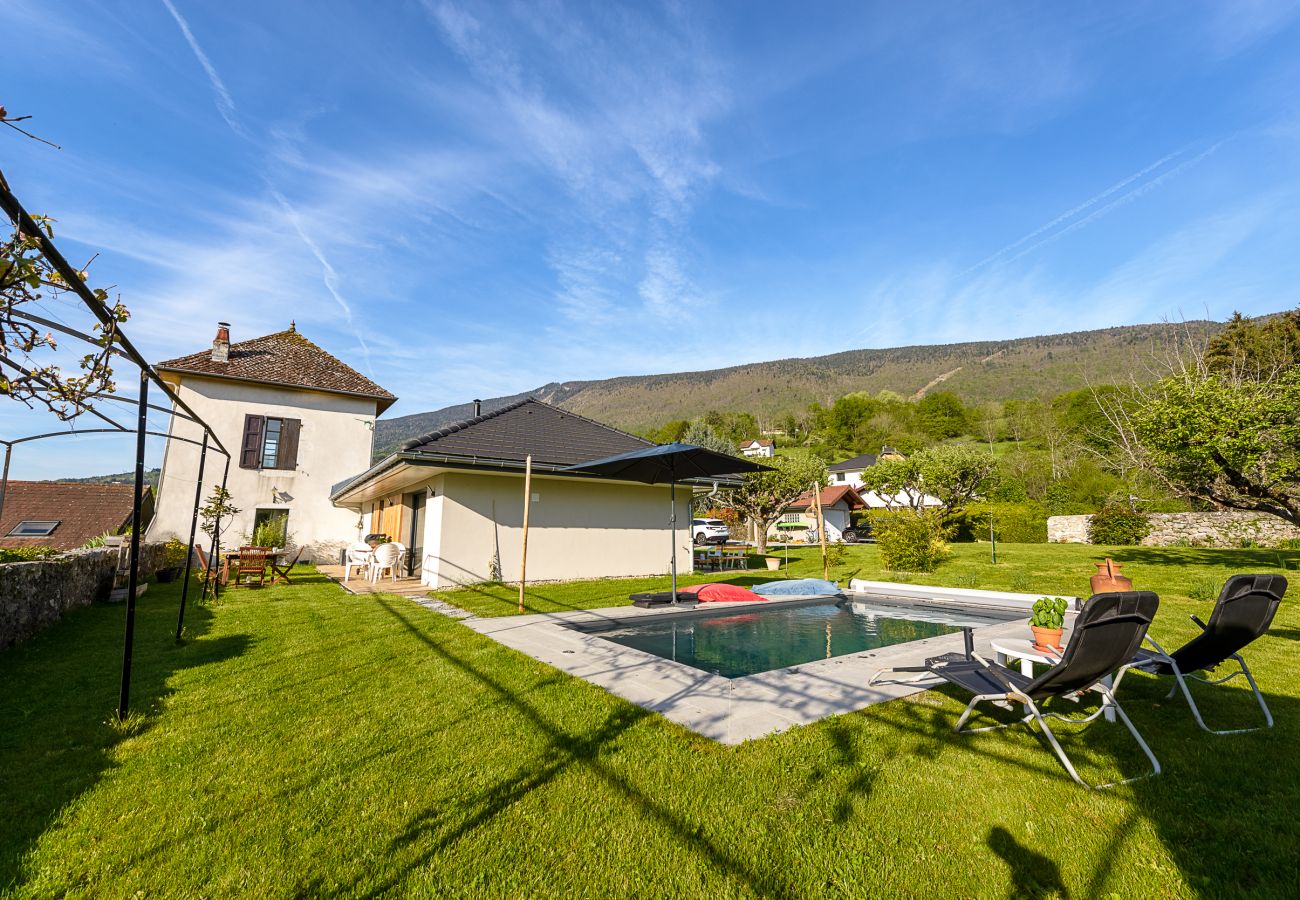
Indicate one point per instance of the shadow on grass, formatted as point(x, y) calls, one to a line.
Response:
point(57, 725)
point(565, 750)
point(1243, 560)
point(1032, 874)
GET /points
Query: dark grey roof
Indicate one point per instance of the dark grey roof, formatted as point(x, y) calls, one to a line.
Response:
point(864, 461)
point(552, 436)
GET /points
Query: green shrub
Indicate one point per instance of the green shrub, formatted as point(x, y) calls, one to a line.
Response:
point(1117, 524)
point(1013, 523)
point(174, 553)
point(27, 554)
point(1289, 544)
point(910, 542)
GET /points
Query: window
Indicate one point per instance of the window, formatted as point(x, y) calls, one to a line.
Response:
point(34, 528)
point(270, 527)
point(791, 517)
point(269, 443)
point(840, 476)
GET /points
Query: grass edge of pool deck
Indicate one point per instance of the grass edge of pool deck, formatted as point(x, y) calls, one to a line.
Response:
point(727, 710)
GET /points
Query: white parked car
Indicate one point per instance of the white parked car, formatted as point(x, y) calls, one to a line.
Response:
point(709, 531)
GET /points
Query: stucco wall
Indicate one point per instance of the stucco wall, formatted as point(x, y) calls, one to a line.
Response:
point(1204, 529)
point(334, 445)
point(578, 528)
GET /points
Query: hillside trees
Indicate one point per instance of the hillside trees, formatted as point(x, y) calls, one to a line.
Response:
point(1223, 426)
point(701, 435)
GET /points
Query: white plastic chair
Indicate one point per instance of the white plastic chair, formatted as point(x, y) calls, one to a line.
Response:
point(358, 557)
point(384, 557)
point(401, 555)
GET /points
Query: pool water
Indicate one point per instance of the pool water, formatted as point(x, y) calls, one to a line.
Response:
point(735, 643)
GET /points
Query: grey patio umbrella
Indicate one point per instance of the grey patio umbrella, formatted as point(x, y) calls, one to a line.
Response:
point(668, 464)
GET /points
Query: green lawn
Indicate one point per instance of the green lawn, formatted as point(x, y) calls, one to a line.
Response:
point(305, 742)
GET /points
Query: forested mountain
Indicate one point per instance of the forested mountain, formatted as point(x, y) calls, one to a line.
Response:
point(977, 372)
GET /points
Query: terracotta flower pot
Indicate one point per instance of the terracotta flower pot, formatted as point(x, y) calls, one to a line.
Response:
point(1046, 638)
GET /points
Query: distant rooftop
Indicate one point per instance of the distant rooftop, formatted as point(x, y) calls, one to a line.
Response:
point(79, 511)
point(857, 463)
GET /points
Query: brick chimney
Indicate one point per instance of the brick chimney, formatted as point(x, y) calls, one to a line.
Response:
point(221, 343)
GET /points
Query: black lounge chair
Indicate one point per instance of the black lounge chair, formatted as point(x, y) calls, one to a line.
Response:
point(1243, 612)
point(1106, 634)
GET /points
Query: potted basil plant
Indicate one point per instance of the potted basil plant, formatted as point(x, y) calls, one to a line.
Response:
point(1047, 622)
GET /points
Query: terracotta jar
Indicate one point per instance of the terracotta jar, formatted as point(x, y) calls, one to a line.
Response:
point(1108, 578)
point(1047, 639)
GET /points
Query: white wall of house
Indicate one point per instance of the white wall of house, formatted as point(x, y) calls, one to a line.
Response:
point(334, 444)
point(836, 518)
point(755, 449)
point(577, 528)
point(852, 479)
point(900, 500)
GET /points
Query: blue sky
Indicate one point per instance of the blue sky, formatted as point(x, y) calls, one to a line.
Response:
point(467, 200)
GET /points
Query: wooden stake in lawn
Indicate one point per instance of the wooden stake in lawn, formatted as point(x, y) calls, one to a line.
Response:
point(528, 499)
point(821, 531)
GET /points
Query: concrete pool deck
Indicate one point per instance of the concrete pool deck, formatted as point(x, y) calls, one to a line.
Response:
point(734, 710)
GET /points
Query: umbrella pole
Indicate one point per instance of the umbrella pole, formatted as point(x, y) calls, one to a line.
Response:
point(672, 530)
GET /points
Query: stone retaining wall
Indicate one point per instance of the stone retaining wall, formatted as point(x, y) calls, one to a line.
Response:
point(1199, 529)
point(34, 595)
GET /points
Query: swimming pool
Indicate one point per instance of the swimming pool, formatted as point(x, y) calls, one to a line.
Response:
point(734, 643)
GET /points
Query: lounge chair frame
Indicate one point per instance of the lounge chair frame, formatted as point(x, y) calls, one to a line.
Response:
point(1079, 672)
point(1160, 657)
point(1158, 662)
point(1037, 715)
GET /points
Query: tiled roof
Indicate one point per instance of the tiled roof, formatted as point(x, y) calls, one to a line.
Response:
point(83, 511)
point(865, 461)
point(285, 358)
point(830, 496)
point(552, 435)
point(762, 442)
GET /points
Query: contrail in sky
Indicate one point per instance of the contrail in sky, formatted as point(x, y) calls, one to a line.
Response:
point(1092, 201)
point(328, 274)
point(225, 105)
point(1121, 200)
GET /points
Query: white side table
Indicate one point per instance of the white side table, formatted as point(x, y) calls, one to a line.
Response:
point(1023, 650)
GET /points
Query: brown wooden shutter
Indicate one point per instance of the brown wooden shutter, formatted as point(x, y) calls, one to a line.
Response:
point(287, 456)
point(250, 453)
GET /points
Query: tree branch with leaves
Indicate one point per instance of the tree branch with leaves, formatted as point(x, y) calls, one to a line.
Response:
point(763, 496)
point(28, 371)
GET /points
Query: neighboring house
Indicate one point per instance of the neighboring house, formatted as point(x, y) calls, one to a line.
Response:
point(849, 473)
point(455, 497)
point(838, 503)
point(764, 448)
point(66, 515)
point(296, 420)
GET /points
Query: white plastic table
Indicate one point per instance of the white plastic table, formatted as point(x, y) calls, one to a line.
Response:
point(1023, 650)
